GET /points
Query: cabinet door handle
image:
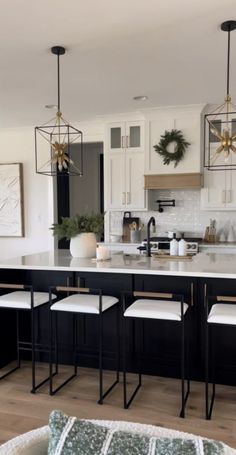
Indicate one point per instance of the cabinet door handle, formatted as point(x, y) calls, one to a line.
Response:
point(127, 141)
point(229, 199)
point(128, 197)
point(223, 196)
point(123, 142)
point(123, 198)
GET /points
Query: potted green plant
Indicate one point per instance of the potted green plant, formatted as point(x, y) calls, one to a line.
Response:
point(81, 230)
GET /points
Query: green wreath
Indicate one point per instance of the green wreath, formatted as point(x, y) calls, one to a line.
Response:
point(180, 148)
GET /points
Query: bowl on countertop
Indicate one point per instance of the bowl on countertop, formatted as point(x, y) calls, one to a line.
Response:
point(115, 238)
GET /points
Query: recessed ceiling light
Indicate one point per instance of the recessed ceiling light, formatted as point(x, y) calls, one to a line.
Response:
point(50, 106)
point(140, 98)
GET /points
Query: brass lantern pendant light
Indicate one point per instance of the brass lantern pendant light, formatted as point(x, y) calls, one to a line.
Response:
point(220, 125)
point(54, 154)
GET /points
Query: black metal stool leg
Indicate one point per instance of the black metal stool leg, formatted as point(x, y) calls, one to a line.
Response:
point(124, 361)
point(18, 338)
point(53, 391)
point(117, 343)
point(209, 408)
point(75, 342)
point(103, 394)
point(100, 401)
point(51, 352)
point(140, 353)
point(187, 341)
point(33, 350)
point(206, 369)
point(184, 396)
point(56, 342)
point(127, 403)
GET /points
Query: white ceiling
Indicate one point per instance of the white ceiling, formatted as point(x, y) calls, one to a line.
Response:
point(171, 50)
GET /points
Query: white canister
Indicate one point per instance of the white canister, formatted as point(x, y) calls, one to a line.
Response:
point(174, 247)
point(231, 235)
point(182, 248)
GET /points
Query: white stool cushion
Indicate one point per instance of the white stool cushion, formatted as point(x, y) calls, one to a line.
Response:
point(156, 309)
point(22, 299)
point(84, 303)
point(222, 313)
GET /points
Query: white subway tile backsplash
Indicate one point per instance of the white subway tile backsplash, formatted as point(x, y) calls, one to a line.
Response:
point(186, 216)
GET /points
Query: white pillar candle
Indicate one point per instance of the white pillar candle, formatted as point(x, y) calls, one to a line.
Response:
point(102, 253)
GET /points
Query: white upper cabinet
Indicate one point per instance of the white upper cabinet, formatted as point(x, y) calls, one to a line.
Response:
point(219, 192)
point(188, 120)
point(124, 166)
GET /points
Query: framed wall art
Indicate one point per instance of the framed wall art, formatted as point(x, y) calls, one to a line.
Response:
point(11, 200)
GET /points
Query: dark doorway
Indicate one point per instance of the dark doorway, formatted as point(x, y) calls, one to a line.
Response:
point(82, 194)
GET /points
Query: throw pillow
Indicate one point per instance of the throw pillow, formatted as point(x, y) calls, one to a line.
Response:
point(71, 436)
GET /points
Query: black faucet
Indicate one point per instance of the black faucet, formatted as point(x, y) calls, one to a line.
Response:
point(153, 222)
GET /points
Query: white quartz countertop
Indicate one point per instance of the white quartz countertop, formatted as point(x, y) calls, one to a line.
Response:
point(211, 265)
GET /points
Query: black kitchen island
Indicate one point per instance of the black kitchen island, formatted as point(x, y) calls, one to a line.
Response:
point(211, 273)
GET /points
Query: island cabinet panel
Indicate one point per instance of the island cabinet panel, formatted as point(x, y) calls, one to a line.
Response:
point(157, 341)
point(7, 338)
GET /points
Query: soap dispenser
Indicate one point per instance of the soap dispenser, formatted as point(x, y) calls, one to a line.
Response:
point(174, 246)
point(182, 247)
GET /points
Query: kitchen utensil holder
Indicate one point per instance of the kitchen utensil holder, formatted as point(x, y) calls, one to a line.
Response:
point(134, 236)
point(209, 237)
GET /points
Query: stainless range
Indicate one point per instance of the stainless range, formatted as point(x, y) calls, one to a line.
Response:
point(158, 244)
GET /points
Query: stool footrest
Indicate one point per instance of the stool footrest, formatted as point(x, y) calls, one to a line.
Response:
point(100, 401)
point(127, 403)
point(9, 372)
point(42, 383)
point(52, 392)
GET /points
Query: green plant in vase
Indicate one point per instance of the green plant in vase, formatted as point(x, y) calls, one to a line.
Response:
point(81, 230)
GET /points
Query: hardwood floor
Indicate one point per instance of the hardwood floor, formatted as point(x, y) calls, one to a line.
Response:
point(157, 403)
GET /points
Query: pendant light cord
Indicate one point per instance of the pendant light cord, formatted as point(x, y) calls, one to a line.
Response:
point(58, 84)
point(228, 60)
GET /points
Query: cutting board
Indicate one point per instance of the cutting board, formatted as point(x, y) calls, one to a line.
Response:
point(168, 256)
point(127, 220)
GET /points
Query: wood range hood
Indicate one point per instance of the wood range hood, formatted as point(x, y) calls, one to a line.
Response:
point(171, 181)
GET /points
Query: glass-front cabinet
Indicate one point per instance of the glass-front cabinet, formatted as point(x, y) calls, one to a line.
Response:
point(125, 166)
point(126, 135)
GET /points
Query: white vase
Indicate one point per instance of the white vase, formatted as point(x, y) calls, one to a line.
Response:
point(83, 245)
point(231, 235)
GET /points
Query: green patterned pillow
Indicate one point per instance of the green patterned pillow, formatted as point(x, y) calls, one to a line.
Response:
point(71, 436)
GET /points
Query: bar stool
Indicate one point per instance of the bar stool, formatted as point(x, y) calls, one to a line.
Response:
point(161, 306)
point(83, 301)
point(25, 299)
point(217, 312)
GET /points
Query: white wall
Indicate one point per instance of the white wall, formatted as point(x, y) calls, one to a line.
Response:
point(17, 146)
